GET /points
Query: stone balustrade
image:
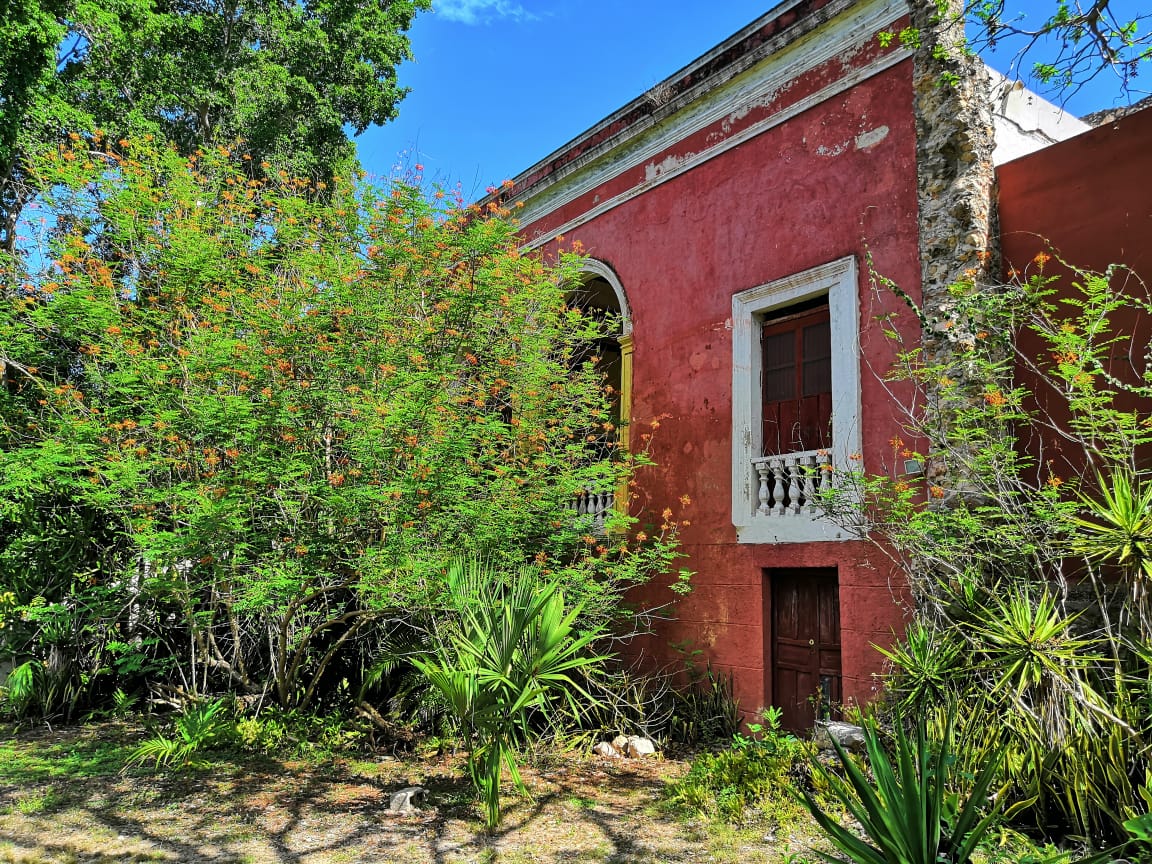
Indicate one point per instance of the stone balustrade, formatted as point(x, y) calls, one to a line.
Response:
point(791, 484)
point(595, 504)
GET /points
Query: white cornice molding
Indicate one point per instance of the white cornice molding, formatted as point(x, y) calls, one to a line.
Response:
point(701, 108)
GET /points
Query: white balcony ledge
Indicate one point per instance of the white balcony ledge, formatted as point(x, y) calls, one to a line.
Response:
point(788, 499)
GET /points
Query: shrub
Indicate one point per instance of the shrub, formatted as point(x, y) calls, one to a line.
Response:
point(752, 775)
point(247, 419)
point(1025, 538)
point(199, 727)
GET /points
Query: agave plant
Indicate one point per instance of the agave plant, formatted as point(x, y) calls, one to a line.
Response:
point(513, 651)
point(908, 814)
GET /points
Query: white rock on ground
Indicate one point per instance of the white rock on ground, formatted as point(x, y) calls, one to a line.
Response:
point(637, 747)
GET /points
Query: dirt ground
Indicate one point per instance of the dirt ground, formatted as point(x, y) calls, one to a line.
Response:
point(64, 800)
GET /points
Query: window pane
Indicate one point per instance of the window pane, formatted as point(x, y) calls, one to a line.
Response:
point(779, 366)
point(817, 362)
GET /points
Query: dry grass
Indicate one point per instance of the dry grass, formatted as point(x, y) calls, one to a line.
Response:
point(63, 800)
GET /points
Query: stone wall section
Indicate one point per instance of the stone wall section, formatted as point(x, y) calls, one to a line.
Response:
point(956, 189)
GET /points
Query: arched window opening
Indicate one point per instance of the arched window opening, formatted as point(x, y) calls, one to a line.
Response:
point(597, 299)
point(601, 295)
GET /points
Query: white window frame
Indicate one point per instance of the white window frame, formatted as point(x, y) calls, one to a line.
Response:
point(837, 281)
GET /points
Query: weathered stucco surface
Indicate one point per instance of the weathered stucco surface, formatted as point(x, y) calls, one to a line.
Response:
point(794, 177)
point(796, 143)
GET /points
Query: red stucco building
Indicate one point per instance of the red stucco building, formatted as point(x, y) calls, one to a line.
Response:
point(731, 215)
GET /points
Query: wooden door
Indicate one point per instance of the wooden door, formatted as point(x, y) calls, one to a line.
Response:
point(804, 645)
point(797, 381)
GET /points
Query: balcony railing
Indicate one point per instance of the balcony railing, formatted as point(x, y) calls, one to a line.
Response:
point(791, 484)
point(595, 504)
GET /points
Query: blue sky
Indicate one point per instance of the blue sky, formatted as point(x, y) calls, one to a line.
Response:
point(497, 85)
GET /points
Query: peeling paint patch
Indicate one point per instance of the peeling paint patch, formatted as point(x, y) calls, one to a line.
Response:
point(653, 170)
point(871, 138)
point(835, 150)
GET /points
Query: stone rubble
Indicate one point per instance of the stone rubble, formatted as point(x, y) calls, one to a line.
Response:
point(625, 747)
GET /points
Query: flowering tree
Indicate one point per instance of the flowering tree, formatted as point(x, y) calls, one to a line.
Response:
point(277, 415)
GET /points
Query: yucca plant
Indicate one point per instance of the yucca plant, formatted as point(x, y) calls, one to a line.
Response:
point(512, 651)
point(924, 664)
point(1119, 531)
point(908, 813)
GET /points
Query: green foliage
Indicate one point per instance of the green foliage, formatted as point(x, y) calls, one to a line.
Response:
point(260, 733)
point(907, 812)
point(509, 650)
point(24, 688)
point(199, 727)
point(245, 424)
point(705, 711)
point(752, 776)
point(288, 78)
point(1023, 548)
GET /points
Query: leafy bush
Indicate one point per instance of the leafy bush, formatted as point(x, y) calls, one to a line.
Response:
point(200, 727)
point(1024, 541)
point(248, 419)
point(752, 775)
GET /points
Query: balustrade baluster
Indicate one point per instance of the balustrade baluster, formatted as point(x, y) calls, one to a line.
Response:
point(778, 488)
point(810, 467)
point(764, 495)
point(793, 466)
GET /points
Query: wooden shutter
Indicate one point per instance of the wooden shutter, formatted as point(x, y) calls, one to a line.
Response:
point(797, 381)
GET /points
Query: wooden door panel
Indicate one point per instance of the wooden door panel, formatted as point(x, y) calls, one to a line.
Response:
point(803, 645)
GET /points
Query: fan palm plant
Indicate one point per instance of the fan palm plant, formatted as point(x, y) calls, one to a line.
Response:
point(512, 650)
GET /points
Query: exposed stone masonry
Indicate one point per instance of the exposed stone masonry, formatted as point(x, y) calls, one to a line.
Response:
point(956, 190)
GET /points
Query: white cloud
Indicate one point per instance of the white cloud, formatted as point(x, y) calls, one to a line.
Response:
point(481, 11)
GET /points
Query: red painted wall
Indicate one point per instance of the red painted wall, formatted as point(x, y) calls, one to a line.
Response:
point(1086, 201)
point(1090, 197)
point(798, 195)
